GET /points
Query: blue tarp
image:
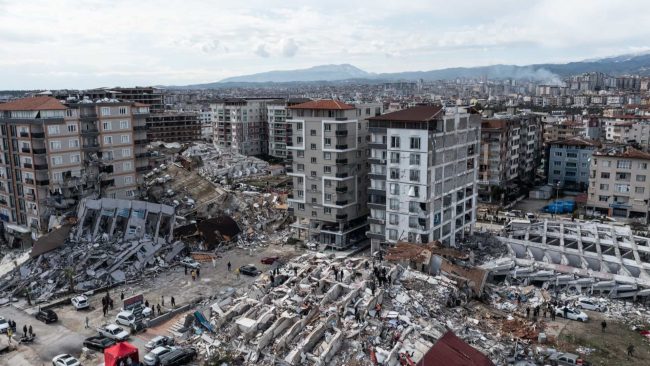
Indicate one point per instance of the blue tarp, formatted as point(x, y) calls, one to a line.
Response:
point(203, 321)
point(560, 207)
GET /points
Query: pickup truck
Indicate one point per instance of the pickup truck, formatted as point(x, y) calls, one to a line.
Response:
point(113, 331)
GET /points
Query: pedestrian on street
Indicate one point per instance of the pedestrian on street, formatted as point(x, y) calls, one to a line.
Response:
point(198, 272)
point(603, 325)
point(566, 311)
point(162, 300)
point(104, 310)
point(146, 303)
point(237, 270)
point(9, 334)
point(185, 270)
point(87, 322)
point(630, 351)
point(110, 303)
point(173, 302)
point(31, 331)
point(103, 301)
point(122, 296)
point(193, 275)
point(228, 266)
point(159, 311)
point(25, 330)
point(295, 271)
point(553, 313)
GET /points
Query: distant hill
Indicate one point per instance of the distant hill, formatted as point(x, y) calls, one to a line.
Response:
point(552, 73)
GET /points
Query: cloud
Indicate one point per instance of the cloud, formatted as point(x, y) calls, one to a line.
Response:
point(289, 47)
point(261, 51)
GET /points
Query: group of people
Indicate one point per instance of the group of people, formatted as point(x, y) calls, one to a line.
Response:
point(107, 303)
point(12, 330)
point(544, 309)
point(195, 273)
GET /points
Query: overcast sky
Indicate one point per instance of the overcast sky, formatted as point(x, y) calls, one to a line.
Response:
point(84, 44)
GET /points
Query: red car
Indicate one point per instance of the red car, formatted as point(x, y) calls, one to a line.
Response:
point(269, 260)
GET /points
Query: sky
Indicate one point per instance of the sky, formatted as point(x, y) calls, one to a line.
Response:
point(93, 43)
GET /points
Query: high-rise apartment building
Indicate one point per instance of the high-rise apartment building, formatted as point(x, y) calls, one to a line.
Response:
point(53, 154)
point(329, 171)
point(568, 165)
point(423, 175)
point(241, 125)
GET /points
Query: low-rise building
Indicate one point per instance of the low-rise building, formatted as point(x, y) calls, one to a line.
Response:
point(568, 165)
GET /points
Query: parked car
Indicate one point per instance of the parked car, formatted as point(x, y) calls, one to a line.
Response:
point(47, 316)
point(98, 343)
point(269, 260)
point(125, 318)
point(179, 356)
point(588, 304)
point(65, 360)
point(113, 331)
point(153, 358)
point(572, 313)
point(4, 325)
point(249, 270)
point(159, 341)
point(566, 359)
point(190, 263)
point(80, 302)
point(530, 216)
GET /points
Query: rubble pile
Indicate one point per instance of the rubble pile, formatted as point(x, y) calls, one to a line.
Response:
point(219, 164)
point(322, 310)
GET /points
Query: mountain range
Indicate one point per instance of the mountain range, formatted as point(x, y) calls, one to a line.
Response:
point(551, 73)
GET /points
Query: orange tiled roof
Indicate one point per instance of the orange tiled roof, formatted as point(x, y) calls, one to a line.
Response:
point(33, 104)
point(322, 104)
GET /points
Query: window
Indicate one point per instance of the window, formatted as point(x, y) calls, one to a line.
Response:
point(126, 153)
point(571, 165)
point(393, 219)
point(394, 158)
point(301, 206)
point(313, 173)
point(394, 188)
point(128, 179)
point(75, 158)
point(125, 139)
point(57, 160)
point(52, 130)
point(300, 167)
point(314, 200)
point(392, 234)
point(623, 188)
point(624, 164)
point(299, 126)
point(643, 165)
point(327, 211)
point(327, 169)
point(328, 127)
point(106, 111)
point(312, 132)
point(108, 140)
point(413, 221)
point(328, 183)
point(604, 187)
point(414, 175)
point(557, 172)
point(640, 178)
point(394, 173)
point(603, 198)
point(394, 204)
point(127, 166)
point(557, 163)
point(558, 153)
point(414, 159)
point(72, 127)
point(301, 193)
point(123, 110)
point(327, 156)
point(314, 188)
point(299, 140)
point(57, 176)
point(640, 190)
point(73, 143)
point(328, 197)
point(313, 146)
point(604, 175)
point(130, 193)
point(571, 155)
point(328, 141)
point(570, 174)
point(124, 125)
point(313, 160)
point(394, 141)
point(301, 154)
point(414, 191)
point(415, 143)
point(106, 126)
point(55, 145)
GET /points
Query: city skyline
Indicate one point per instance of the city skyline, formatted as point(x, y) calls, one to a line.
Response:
point(68, 45)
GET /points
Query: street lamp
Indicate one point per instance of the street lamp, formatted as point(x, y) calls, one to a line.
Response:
point(557, 197)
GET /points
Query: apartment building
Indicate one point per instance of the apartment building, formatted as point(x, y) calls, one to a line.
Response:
point(554, 131)
point(569, 160)
point(206, 118)
point(329, 171)
point(53, 154)
point(279, 131)
point(619, 183)
point(423, 175)
point(172, 126)
point(510, 154)
point(242, 125)
point(153, 97)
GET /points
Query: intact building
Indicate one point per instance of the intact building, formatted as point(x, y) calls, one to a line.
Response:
point(174, 127)
point(423, 175)
point(54, 154)
point(569, 160)
point(279, 130)
point(329, 171)
point(619, 183)
point(241, 125)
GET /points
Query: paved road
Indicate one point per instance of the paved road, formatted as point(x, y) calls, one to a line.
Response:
point(51, 340)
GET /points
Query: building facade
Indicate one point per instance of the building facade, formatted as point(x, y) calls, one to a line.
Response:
point(424, 168)
point(619, 183)
point(568, 165)
point(279, 130)
point(174, 126)
point(242, 125)
point(53, 154)
point(329, 171)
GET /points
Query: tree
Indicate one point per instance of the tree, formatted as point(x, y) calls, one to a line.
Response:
point(69, 273)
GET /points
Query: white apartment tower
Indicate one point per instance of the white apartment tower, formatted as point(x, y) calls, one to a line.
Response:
point(423, 175)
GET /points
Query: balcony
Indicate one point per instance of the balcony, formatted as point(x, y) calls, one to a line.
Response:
point(140, 142)
point(108, 182)
point(40, 166)
point(40, 151)
point(341, 133)
point(26, 150)
point(29, 181)
point(24, 134)
point(91, 145)
point(43, 182)
point(341, 202)
point(38, 135)
point(377, 145)
point(3, 202)
point(142, 169)
point(88, 116)
point(343, 216)
point(341, 147)
point(30, 197)
point(341, 175)
point(341, 161)
point(90, 131)
point(139, 128)
point(289, 169)
point(341, 189)
point(27, 166)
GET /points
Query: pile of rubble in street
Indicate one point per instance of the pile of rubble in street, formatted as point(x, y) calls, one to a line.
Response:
point(114, 241)
point(219, 164)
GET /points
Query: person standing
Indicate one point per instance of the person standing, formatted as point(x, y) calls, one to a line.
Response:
point(31, 331)
point(228, 266)
point(603, 325)
point(198, 272)
point(25, 330)
point(122, 296)
point(185, 267)
point(630, 351)
point(162, 300)
point(87, 322)
point(193, 275)
point(10, 333)
point(173, 302)
point(237, 270)
point(527, 312)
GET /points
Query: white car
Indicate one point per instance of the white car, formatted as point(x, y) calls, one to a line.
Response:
point(190, 262)
point(159, 341)
point(65, 360)
point(4, 325)
point(153, 358)
point(125, 318)
point(113, 331)
point(530, 215)
point(571, 313)
point(589, 304)
point(80, 302)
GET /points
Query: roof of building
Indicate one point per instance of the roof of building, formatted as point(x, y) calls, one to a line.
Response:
point(450, 350)
point(576, 141)
point(494, 123)
point(328, 104)
point(413, 114)
point(33, 104)
point(627, 152)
